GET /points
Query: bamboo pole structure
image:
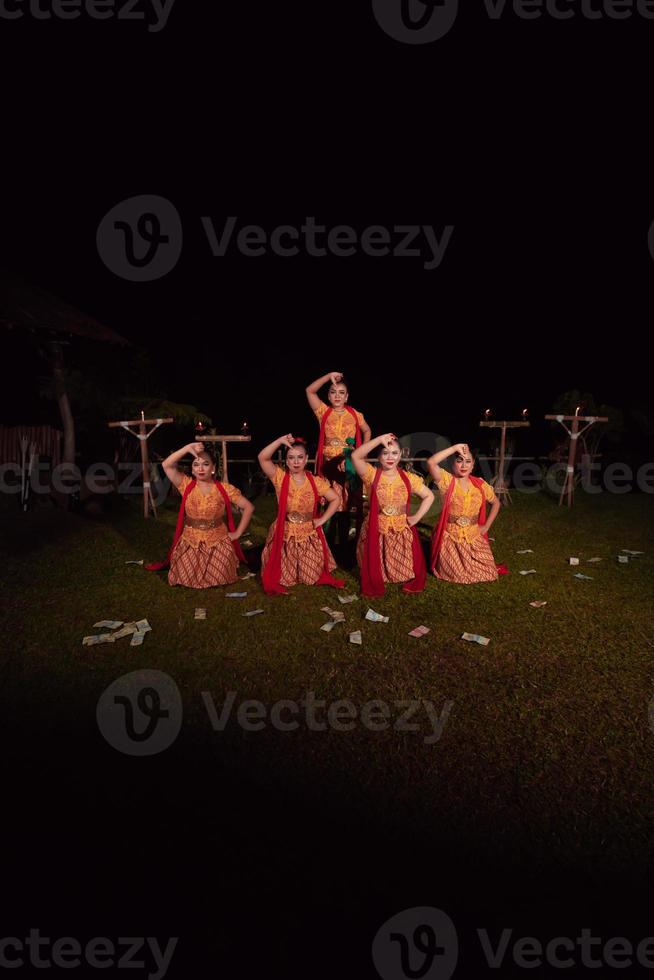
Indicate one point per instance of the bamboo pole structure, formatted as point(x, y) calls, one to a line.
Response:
point(143, 435)
point(499, 480)
point(223, 440)
point(574, 432)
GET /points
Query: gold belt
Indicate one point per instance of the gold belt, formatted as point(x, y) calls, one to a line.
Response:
point(336, 443)
point(295, 517)
point(390, 511)
point(463, 521)
point(201, 523)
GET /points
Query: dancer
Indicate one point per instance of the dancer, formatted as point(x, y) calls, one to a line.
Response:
point(389, 548)
point(460, 550)
point(342, 429)
point(296, 550)
point(205, 550)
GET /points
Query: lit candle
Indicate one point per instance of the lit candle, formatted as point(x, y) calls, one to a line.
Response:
point(525, 413)
point(142, 416)
point(244, 429)
point(487, 413)
point(577, 409)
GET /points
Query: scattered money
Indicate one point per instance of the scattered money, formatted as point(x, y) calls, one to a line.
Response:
point(588, 578)
point(132, 562)
point(247, 543)
point(356, 637)
point(247, 575)
point(336, 614)
point(142, 625)
point(90, 641)
point(419, 631)
point(111, 624)
point(538, 603)
point(137, 639)
point(591, 560)
point(348, 598)
point(574, 561)
point(628, 551)
point(328, 627)
point(376, 617)
point(476, 638)
point(200, 613)
point(253, 612)
point(623, 559)
point(525, 551)
point(127, 630)
point(236, 595)
point(529, 571)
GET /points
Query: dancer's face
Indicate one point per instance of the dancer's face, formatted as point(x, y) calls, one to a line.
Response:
point(202, 468)
point(390, 456)
point(337, 395)
point(296, 459)
point(463, 466)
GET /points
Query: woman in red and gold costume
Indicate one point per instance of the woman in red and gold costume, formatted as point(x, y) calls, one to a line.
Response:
point(460, 550)
point(296, 550)
point(338, 424)
point(205, 550)
point(389, 548)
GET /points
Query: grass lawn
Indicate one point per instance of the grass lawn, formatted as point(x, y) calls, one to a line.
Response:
point(543, 768)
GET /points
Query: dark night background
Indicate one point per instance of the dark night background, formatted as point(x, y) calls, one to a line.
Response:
point(531, 138)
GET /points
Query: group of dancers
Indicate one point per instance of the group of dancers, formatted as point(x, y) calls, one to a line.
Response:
point(206, 550)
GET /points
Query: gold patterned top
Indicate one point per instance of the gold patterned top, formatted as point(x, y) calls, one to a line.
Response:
point(206, 507)
point(300, 501)
point(464, 503)
point(339, 427)
point(391, 494)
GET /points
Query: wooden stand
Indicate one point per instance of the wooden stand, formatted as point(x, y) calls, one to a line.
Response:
point(223, 440)
point(143, 435)
point(574, 432)
point(499, 480)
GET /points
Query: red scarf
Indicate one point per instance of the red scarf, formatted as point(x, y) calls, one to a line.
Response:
point(272, 573)
point(321, 440)
point(372, 579)
point(439, 530)
point(158, 566)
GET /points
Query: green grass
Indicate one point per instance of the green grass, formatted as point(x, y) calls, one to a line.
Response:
point(547, 753)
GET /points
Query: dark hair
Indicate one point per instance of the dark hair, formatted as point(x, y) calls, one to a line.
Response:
point(381, 448)
point(210, 456)
point(341, 382)
point(300, 443)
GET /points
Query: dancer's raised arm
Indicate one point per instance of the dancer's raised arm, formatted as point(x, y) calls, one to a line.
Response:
point(366, 448)
point(312, 390)
point(460, 448)
point(266, 455)
point(170, 462)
